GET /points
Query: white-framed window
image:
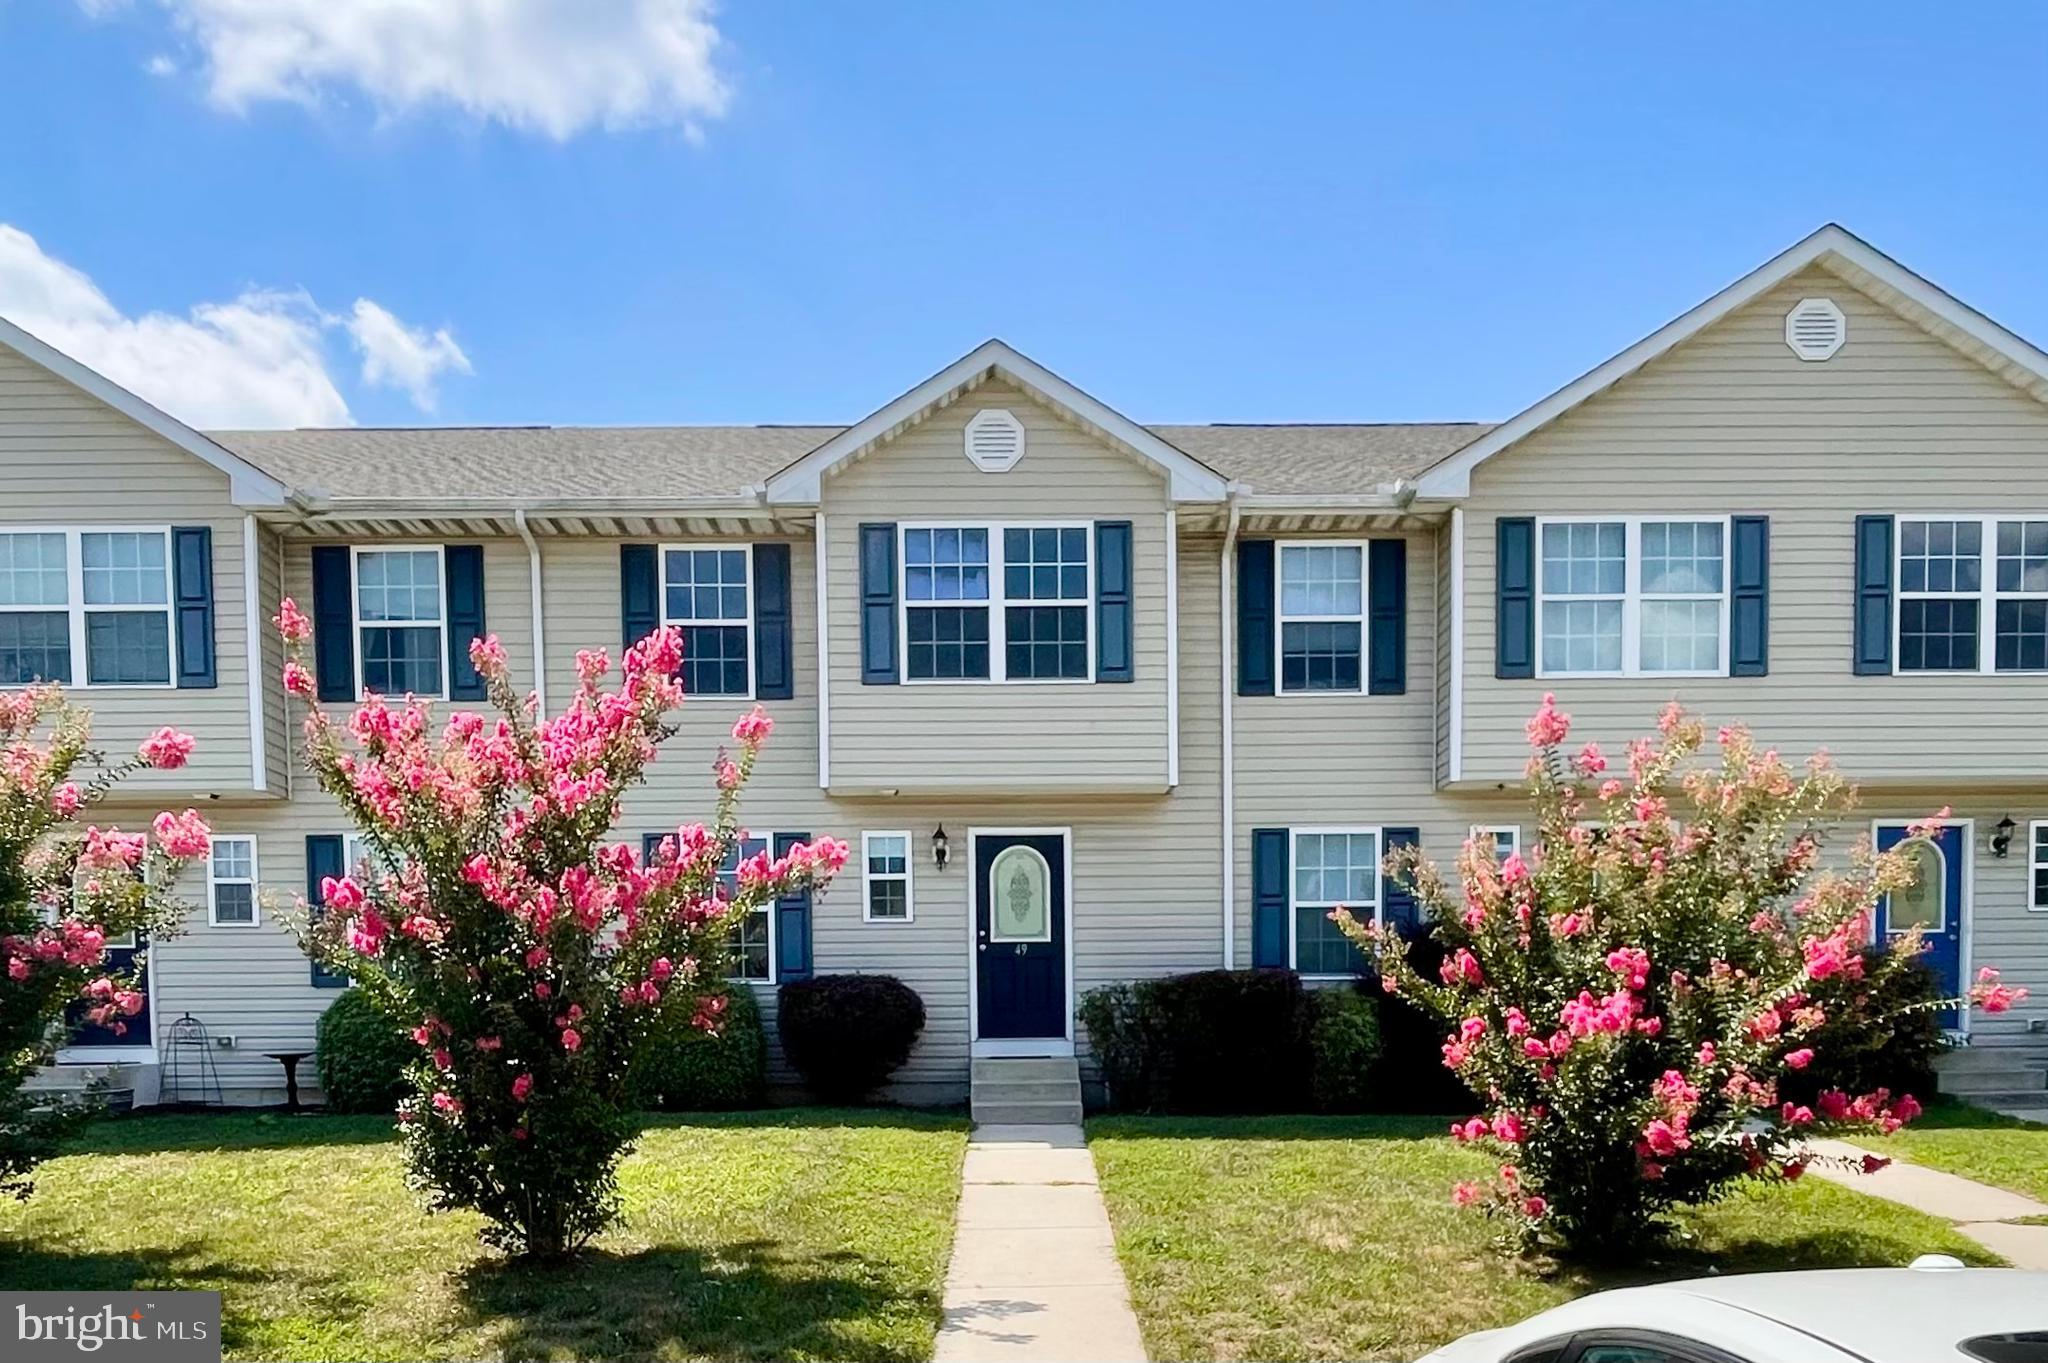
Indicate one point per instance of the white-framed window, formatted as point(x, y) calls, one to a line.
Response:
point(1506, 838)
point(101, 594)
point(707, 593)
point(885, 877)
point(401, 605)
point(753, 937)
point(231, 882)
point(1321, 639)
point(997, 601)
point(2037, 866)
point(1630, 596)
point(1959, 576)
point(1332, 868)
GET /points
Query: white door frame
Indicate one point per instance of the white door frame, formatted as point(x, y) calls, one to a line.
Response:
point(1001, 1047)
point(1965, 916)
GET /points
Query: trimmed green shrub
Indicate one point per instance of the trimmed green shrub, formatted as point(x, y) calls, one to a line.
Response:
point(1891, 1044)
point(361, 1053)
point(1117, 1022)
point(846, 1034)
point(1410, 1075)
point(1343, 1044)
point(681, 1069)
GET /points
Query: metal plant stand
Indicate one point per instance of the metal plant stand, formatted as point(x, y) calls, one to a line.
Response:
point(190, 1079)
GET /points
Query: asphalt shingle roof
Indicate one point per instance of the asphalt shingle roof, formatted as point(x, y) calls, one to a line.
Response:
point(690, 461)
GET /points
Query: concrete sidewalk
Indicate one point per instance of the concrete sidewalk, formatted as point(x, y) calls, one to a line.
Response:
point(1034, 1272)
point(1983, 1213)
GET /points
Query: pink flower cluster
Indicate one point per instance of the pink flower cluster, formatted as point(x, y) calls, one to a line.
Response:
point(166, 749)
point(1990, 995)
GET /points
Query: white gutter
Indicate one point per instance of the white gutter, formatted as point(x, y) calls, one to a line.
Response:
point(1454, 761)
point(821, 562)
point(252, 625)
point(540, 640)
point(1229, 669)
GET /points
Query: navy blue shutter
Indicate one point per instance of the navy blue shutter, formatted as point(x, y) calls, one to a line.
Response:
point(650, 843)
point(639, 592)
point(1749, 603)
point(192, 562)
point(1399, 911)
point(1255, 618)
point(334, 627)
point(792, 922)
point(323, 859)
point(1113, 602)
point(465, 619)
point(1873, 596)
point(878, 604)
point(1269, 897)
point(774, 658)
point(1386, 578)
point(1514, 607)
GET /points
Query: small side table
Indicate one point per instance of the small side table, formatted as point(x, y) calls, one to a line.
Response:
point(290, 1060)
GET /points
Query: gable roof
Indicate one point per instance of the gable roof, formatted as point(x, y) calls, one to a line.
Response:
point(1188, 478)
point(1834, 248)
point(247, 484)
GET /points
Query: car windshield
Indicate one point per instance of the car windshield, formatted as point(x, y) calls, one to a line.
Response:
point(2020, 1346)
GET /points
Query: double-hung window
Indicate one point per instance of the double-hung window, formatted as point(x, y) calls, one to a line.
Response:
point(231, 882)
point(2037, 866)
point(705, 592)
point(997, 602)
point(1948, 594)
point(1333, 868)
point(885, 877)
point(1322, 616)
point(753, 937)
point(1506, 838)
point(103, 594)
point(1633, 597)
point(401, 621)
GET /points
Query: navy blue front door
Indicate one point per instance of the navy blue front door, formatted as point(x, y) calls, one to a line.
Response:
point(120, 960)
point(1934, 905)
point(1020, 935)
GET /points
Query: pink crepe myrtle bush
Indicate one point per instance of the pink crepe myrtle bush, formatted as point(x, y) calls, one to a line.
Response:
point(1625, 1000)
point(531, 956)
point(68, 885)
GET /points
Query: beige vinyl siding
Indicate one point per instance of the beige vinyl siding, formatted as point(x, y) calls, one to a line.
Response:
point(1019, 737)
point(280, 720)
point(1732, 422)
point(68, 460)
point(1440, 631)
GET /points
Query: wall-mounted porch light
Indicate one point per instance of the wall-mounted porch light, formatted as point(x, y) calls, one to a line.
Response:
point(2001, 838)
point(940, 851)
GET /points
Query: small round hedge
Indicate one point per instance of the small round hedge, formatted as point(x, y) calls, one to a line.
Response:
point(681, 1069)
point(361, 1053)
point(846, 1034)
point(1343, 1046)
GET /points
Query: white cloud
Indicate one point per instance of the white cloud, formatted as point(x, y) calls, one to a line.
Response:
point(260, 359)
point(555, 67)
point(398, 356)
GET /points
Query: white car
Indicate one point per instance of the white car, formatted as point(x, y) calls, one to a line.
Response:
point(1937, 1311)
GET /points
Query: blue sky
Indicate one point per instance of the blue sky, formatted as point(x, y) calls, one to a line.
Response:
point(1197, 212)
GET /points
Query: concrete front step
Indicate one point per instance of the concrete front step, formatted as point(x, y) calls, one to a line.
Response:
point(2004, 1079)
point(1031, 1069)
point(2005, 1098)
point(1965, 1059)
point(988, 1113)
point(1029, 1091)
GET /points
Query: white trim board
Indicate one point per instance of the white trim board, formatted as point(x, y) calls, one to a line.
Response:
point(1188, 479)
point(248, 486)
point(1862, 266)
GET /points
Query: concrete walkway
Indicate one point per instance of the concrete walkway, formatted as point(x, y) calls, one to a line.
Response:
point(1034, 1272)
point(1983, 1213)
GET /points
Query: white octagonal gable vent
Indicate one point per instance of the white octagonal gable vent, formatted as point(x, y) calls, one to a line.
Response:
point(995, 440)
point(1815, 329)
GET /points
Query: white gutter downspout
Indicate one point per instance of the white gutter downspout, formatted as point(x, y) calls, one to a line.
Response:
point(540, 642)
point(1226, 626)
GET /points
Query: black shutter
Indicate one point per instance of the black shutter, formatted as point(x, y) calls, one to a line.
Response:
point(1269, 897)
point(1113, 661)
point(1749, 600)
point(192, 562)
point(334, 628)
point(1399, 911)
point(774, 658)
point(1873, 596)
point(877, 604)
point(1386, 579)
point(639, 592)
point(1255, 619)
point(323, 859)
point(792, 922)
point(1514, 607)
point(465, 619)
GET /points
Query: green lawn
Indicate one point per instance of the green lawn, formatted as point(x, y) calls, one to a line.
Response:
point(1975, 1143)
point(787, 1234)
point(1326, 1238)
